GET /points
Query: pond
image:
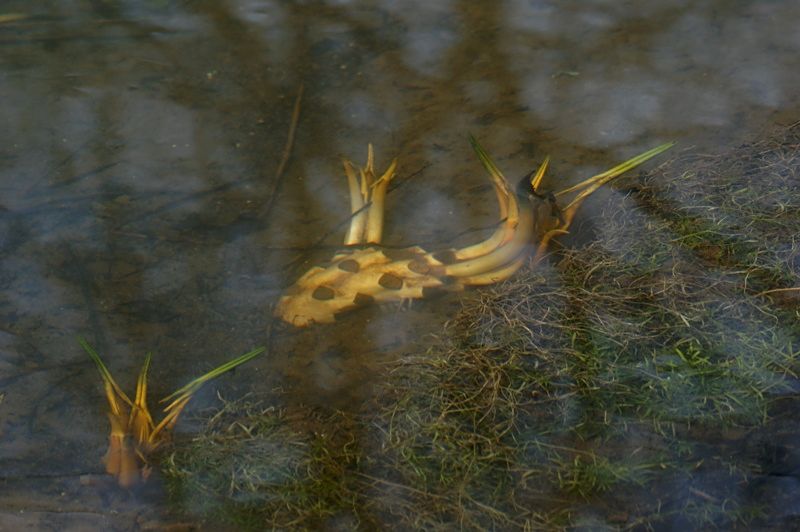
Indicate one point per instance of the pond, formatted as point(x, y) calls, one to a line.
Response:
point(169, 169)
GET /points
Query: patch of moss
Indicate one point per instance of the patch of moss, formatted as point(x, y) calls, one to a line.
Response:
point(258, 467)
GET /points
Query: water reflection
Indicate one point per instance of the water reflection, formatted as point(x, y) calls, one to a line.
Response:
point(140, 146)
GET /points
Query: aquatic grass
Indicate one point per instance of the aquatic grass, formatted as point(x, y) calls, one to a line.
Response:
point(737, 209)
point(134, 435)
point(604, 177)
point(586, 476)
point(259, 466)
point(112, 388)
point(181, 396)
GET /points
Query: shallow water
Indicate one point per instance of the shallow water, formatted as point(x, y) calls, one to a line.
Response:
point(138, 165)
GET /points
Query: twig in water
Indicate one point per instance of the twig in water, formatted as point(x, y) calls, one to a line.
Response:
point(287, 152)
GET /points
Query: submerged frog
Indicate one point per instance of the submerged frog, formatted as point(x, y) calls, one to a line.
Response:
point(364, 271)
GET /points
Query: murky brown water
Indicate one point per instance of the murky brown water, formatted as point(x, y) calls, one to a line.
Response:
point(138, 157)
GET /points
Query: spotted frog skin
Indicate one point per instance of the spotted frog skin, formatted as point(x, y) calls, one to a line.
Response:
point(365, 272)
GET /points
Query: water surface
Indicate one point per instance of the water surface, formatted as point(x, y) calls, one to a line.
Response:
point(139, 205)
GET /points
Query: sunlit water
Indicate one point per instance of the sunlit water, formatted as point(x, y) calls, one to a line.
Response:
point(138, 156)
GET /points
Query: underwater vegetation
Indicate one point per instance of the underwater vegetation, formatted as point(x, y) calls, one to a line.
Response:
point(365, 273)
point(134, 434)
point(645, 379)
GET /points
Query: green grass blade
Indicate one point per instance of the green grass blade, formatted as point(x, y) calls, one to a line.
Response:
point(484, 157)
point(193, 386)
point(103, 370)
point(606, 176)
point(636, 161)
